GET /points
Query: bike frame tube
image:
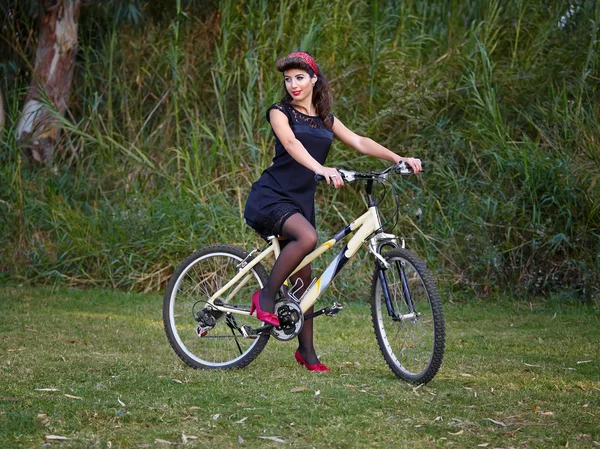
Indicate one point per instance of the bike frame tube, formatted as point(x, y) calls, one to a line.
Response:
point(273, 248)
point(331, 242)
point(363, 227)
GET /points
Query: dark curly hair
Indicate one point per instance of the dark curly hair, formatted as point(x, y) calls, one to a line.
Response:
point(321, 97)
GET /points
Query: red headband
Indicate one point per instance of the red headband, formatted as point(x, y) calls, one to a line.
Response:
point(306, 58)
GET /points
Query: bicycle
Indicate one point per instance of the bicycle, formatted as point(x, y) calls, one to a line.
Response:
point(206, 310)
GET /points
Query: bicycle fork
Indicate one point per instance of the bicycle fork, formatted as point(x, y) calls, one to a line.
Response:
point(412, 313)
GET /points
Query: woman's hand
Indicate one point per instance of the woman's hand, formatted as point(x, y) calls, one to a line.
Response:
point(413, 162)
point(331, 175)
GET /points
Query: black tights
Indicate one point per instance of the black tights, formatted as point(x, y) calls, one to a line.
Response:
point(301, 239)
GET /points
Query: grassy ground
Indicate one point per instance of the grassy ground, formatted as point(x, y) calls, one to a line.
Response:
point(95, 367)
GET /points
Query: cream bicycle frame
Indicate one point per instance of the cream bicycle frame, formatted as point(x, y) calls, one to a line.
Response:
point(364, 226)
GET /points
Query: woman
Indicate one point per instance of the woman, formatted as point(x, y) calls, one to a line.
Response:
point(281, 202)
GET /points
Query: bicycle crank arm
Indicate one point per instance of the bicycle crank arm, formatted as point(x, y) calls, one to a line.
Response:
point(333, 310)
point(248, 331)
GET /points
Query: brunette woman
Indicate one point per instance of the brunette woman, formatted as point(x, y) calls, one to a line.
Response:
point(281, 202)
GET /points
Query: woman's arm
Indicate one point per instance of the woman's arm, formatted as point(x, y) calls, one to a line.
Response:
point(294, 147)
point(370, 147)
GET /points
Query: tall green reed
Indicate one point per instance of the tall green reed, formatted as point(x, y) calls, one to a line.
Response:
point(495, 95)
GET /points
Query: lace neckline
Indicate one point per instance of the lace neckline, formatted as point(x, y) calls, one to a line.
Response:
point(302, 113)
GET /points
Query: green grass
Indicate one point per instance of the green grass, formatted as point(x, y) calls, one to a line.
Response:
point(518, 364)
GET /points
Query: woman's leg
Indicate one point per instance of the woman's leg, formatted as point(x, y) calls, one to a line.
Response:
point(305, 338)
point(302, 239)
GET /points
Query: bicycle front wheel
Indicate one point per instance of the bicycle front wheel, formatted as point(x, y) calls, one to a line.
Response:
point(203, 337)
point(407, 317)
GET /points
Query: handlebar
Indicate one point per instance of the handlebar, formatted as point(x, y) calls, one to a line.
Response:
point(400, 168)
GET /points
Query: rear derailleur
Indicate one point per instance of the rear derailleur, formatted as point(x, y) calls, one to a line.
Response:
point(207, 319)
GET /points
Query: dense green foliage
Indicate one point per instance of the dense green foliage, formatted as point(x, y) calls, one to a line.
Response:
point(166, 132)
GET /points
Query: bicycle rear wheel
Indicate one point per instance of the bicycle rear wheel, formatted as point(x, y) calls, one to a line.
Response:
point(409, 323)
point(205, 338)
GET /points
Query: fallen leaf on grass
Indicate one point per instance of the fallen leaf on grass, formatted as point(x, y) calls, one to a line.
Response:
point(56, 438)
point(185, 438)
point(298, 389)
point(460, 432)
point(416, 388)
point(498, 423)
point(276, 439)
point(216, 416)
point(43, 418)
point(70, 396)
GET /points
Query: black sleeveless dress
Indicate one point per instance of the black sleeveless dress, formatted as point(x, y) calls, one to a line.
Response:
point(287, 187)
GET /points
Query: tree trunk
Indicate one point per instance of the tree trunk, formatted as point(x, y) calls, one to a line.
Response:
point(38, 128)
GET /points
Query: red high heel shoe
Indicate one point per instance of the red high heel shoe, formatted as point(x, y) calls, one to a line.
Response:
point(317, 367)
point(266, 317)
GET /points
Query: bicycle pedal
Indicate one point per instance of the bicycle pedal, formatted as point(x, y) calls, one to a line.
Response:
point(334, 309)
point(248, 331)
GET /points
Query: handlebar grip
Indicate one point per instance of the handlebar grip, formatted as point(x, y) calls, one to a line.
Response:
point(320, 178)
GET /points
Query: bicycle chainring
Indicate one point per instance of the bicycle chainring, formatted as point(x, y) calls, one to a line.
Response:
point(291, 319)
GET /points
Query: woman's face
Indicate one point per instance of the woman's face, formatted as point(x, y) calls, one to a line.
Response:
point(299, 84)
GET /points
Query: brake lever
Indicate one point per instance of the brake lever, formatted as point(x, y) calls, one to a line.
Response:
point(402, 168)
